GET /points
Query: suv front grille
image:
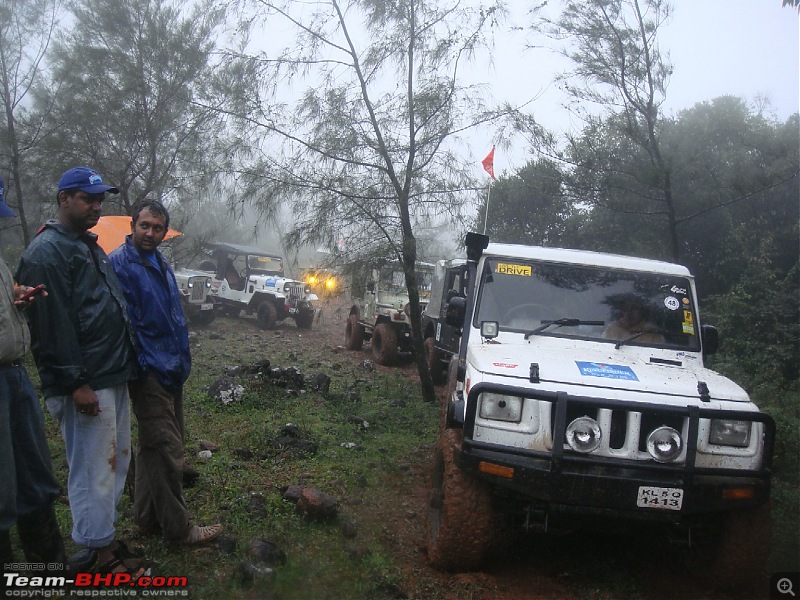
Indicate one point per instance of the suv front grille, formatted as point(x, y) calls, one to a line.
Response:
point(198, 288)
point(624, 431)
point(296, 291)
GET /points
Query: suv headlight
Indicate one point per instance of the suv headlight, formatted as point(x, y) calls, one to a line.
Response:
point(726, 432)
point(499, 407)
point(286, 287)
point(664, 444)
point(584, 435)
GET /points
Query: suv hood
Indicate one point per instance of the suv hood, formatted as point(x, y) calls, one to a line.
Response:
point(591, 369)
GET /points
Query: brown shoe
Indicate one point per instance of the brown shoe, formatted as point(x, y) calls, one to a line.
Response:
point(202, 534)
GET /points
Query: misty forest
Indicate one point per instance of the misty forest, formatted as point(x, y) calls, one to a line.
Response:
point(350, 135)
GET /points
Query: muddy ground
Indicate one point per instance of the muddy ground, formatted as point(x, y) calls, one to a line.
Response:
point(519, 566)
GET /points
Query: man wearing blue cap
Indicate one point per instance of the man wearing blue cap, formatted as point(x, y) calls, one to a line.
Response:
point(29, 488)
point(84, 352)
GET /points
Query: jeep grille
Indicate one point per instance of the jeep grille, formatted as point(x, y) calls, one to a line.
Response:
point(197, 285)
point(297, 291)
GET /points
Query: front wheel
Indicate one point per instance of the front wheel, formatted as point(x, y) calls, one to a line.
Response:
point(434, 359)
point(384, 344)
point(267, 316)
point(459, 511)
point(201, 317)
point(305, 319)
point(353, 333)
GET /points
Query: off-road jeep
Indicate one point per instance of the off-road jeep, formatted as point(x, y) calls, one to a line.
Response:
point(381, 315)
point(577, 394)
point(198, 305)
point(253, 280)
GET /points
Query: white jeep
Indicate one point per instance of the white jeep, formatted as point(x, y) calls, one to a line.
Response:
point(381, 315)
point(577, 394)
point(252, 280)
point(195, 286)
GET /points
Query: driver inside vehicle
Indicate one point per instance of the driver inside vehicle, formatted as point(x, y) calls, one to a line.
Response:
point(632, 320)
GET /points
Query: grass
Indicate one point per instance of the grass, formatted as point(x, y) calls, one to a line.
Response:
point(321, 561)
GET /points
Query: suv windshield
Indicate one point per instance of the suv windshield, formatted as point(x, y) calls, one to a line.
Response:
point(265, 265)
point(637, 308)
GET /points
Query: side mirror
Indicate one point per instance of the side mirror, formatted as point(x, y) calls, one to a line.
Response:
point(456, 311)
point(710, 339)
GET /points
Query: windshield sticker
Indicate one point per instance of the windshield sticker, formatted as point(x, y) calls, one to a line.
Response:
point(685, 300)
point(592, 369)
point(508, 269)
point(672, 303)
point(270, 282)
point(505, 365)
point(676, 290)
point(688, 322)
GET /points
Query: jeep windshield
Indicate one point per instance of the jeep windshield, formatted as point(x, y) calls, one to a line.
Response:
point(265, 265)
point(590, 303)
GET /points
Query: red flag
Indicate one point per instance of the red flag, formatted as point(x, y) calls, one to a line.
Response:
point(488, 163)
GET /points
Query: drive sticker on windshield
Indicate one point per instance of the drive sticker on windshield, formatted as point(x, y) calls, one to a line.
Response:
point(593, 369)
point(508, 269)
point(688, 322)
point(672, 303)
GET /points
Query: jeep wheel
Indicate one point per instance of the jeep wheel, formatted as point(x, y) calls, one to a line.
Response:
point(266, 316)
point(731, 552)
point(353, 333)
point(434, 359)
point(201, 317)
point(459, 511)
point(305, 319)
point(384, 344)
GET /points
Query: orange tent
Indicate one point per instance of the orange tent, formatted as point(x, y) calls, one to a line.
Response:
point(111, 231)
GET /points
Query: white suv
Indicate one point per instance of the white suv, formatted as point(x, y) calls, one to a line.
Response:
point(577, 391)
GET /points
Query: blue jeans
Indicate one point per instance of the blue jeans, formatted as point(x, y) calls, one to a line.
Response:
point(28, 485)
point(98, 454)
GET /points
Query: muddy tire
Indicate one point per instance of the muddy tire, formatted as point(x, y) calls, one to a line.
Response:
point(266, 316)
point(305, 319)
point(732, 551)
point(353, 333)
point(201, 317)
point(434, 359)
point(459, 527)
point(384, 344)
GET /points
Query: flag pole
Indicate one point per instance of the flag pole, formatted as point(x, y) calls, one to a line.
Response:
point(488, 197)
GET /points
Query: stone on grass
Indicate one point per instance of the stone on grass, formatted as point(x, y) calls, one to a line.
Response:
point(316, 504)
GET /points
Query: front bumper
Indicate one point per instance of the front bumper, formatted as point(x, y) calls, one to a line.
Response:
point(573, 482)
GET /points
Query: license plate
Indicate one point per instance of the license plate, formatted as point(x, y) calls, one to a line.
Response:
point(660, 498)
point(207, 306)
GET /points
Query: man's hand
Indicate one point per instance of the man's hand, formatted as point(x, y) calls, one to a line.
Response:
point(86, 401)
point(24, 295)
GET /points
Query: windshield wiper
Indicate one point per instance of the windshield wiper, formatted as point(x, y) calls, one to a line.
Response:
point(660, 332)
point(561, 323)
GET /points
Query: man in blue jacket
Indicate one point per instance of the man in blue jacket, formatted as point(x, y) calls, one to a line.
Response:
point(159, 326)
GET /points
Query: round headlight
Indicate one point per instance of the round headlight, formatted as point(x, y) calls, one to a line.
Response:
point(286, 287)
point(664, 444)
point(583, 435)
point(208, 282)
point(307, 290)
